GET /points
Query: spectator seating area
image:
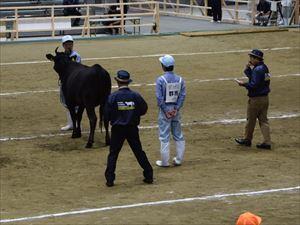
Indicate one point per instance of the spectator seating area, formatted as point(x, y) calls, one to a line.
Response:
point(32, 12)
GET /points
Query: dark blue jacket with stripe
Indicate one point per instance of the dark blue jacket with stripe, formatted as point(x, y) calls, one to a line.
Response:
point(125, 107)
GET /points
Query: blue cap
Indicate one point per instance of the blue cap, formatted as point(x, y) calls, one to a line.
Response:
point(167, 60)
point(123, 76)
point(257, 53)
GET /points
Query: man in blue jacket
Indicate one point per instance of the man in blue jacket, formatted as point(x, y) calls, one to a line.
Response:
point(124, 109)
point(258, 103)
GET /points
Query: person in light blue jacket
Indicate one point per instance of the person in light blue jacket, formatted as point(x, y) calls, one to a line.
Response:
point(68, 43)
point(170, 94)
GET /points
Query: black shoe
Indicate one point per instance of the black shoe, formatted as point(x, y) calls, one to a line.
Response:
point(263, 146)
point(242, 141)
point(109, 184)
point(148, 181)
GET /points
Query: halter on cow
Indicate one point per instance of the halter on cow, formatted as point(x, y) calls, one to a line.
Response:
point(85, 87)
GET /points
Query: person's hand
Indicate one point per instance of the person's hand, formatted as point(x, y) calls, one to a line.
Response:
point(239, 82)
point(248, 65)
point(174, 112)
point(168, 114)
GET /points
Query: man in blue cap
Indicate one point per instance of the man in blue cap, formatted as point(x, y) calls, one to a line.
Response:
point(258, 88)
point(170, 94)
point(124, 109)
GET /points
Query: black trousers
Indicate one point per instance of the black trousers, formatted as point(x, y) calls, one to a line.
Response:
point(118, 136)
point(216, 6)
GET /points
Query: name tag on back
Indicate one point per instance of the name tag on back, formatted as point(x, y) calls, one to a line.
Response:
point(172, 92)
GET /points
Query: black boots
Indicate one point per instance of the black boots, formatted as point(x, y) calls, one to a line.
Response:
point(263, 146)
point(242, 141)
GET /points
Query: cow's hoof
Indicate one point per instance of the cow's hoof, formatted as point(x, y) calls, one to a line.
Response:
point(89, 145)
point(76, 135)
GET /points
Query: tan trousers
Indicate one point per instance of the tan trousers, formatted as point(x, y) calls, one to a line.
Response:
point(258, 109)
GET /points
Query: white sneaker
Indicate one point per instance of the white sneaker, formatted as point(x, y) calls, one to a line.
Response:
point(67, 127)
point(160, 164)
point(176, 162)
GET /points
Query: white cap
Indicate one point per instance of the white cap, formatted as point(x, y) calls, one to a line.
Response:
point(67, 38)
point(167, 60)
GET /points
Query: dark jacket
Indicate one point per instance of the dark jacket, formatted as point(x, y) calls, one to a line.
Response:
point(263, 6)
point(259, 80)
point(125, 107)
point(70, 11)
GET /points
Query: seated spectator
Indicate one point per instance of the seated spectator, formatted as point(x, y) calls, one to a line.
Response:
point(72, 11)
point(113, 10)
point(263, 12)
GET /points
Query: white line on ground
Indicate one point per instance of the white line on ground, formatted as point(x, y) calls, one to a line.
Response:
point(143, 204)
point(154, 55)
point(219, 121)
point(150, 84)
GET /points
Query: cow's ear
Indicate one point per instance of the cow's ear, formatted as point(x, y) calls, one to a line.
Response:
point(50, 57)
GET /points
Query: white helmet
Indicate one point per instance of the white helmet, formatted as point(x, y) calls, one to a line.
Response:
point(67, 38)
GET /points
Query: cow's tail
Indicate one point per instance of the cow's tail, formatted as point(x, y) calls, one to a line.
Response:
point(101, 108)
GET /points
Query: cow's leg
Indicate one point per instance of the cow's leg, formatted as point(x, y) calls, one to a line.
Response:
point(73, 116)
point(93, 121)
point(78, 119)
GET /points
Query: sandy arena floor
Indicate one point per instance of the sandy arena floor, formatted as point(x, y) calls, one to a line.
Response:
point(45, 175)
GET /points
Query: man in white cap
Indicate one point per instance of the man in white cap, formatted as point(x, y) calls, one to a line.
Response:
point(67, 43)
point(170, 94)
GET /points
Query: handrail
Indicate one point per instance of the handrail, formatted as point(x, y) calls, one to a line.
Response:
point(86, 28)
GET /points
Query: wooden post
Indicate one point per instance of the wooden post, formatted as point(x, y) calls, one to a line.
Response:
point(206, 5)
point(191, 7)
point(122, 16)
point(296, 19)
point(157, 17)
point(226, 7)
point(88, 20)
point(177, 6)
point(52, 22)
point(236, 8)
point(165, 7)
point(253, 11)
point(16, 23)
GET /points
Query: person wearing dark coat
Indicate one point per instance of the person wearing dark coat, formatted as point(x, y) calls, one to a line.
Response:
point(124, 109)
point(216, 7)
point(258, 88)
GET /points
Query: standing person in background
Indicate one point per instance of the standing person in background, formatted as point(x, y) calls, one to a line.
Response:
point(216, 7)
point(258, 90)
point(124, 109)
point(170, 94)
point(72, 11)
point(68, 43)
point(286, 11)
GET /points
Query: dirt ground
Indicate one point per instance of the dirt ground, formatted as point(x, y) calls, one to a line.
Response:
point(56, 174)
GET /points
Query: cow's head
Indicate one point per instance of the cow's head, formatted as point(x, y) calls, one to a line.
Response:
point(60, 60)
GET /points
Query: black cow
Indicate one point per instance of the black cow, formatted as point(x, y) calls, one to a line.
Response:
point(85, 87)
